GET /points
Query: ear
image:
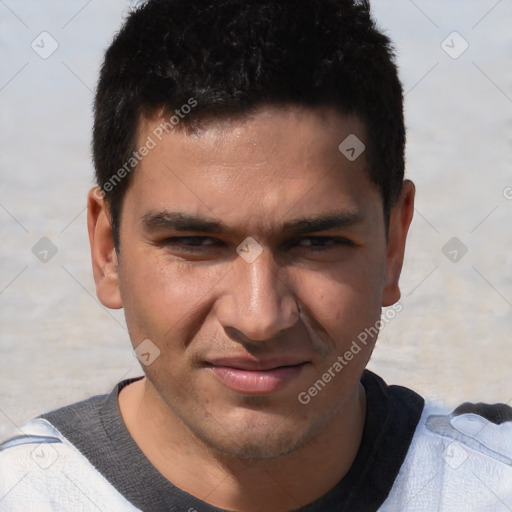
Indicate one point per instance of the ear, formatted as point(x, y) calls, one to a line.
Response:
point(103, 254)
point(399, 222)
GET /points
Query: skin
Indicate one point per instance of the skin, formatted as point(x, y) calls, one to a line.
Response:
point(304, 296)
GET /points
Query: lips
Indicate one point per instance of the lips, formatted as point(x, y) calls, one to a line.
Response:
point(253, 377)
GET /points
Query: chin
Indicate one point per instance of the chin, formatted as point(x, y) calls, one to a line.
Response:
point(258, 446)
point(268, 438)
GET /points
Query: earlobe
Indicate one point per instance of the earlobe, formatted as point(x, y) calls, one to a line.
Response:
point(103, 254)
point(399, 222)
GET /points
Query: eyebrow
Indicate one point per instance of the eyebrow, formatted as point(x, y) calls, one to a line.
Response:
point(324, 222)
point(179, 221)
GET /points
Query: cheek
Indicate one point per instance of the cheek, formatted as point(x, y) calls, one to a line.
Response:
point(162, 298)
point(345, 299)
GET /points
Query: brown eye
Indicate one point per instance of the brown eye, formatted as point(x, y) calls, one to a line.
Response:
point(322, 243)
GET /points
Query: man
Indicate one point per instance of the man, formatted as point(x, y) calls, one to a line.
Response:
point(250, 217)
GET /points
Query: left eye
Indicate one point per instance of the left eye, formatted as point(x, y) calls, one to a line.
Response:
point(322, 242)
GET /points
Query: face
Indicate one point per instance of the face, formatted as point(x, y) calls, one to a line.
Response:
point(253, 253)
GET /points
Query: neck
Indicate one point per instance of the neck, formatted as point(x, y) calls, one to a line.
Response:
point(275, 485)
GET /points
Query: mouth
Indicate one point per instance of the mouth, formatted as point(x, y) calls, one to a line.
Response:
point(252, 377)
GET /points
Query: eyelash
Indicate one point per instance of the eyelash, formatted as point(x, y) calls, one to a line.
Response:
point(178, 240)
point(336, 242)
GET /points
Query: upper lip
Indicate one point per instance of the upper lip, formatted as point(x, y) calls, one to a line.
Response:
point(252, 364)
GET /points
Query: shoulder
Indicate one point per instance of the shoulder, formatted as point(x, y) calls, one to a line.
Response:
point(41, 470)
point(457, 461)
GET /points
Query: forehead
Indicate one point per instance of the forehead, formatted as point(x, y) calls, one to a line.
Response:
point(265, 136)
point(260, 166)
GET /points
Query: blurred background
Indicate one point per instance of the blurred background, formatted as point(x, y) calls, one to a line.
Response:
point(452, 340)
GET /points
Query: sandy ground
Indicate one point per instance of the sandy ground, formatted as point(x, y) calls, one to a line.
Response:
point(452, 339)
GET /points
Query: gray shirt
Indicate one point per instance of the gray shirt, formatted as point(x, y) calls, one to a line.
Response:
point(96, 428)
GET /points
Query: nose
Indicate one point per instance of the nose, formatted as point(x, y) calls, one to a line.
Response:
point(256, 300)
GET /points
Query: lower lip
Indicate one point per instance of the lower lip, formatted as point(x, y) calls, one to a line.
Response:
point(251, 382)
